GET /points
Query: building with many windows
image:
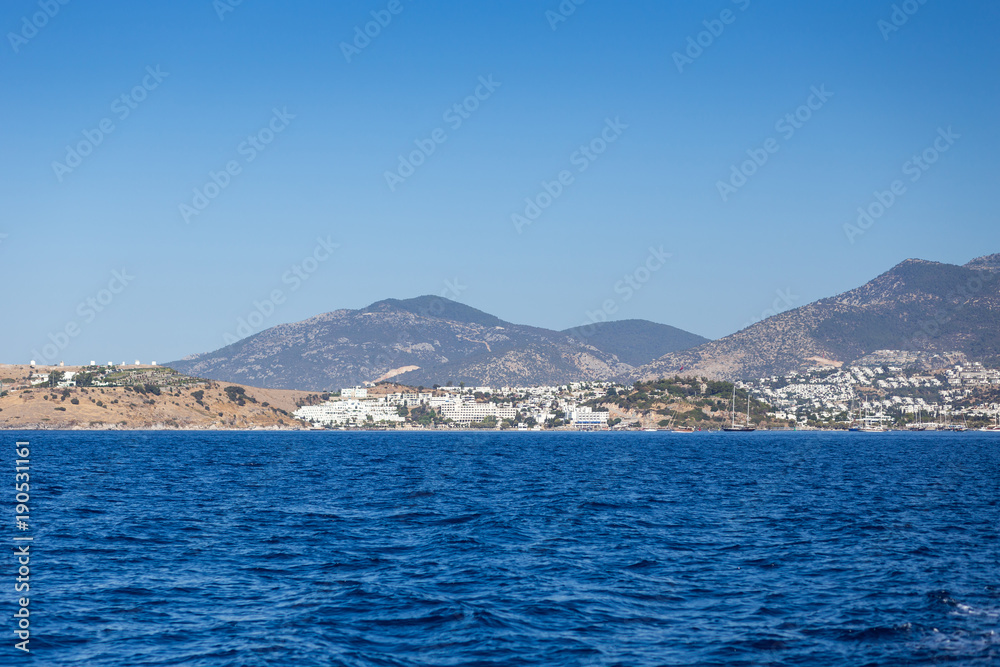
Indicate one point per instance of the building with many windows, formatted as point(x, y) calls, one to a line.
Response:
point(349, 412)
point(468, 412)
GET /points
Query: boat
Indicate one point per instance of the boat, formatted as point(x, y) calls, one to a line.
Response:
point(867, 424)
point(917, 425)
point(952, 428)
point(733, 427)
point(669, 426)
point(854, 422)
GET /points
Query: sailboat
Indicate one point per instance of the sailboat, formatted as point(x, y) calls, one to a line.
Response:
point(866, 424)
point(869, 426)
point(918, 425)
point(734, 427)
point(949, 426)
point(854, 426)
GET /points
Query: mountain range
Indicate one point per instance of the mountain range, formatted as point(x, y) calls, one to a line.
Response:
point(432, 340)
point(917, 309)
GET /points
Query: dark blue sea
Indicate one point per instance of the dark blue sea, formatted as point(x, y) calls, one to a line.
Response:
point(343, 548)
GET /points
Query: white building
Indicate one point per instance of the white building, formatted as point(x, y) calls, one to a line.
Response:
point(351, 411)
point(585, 416)
point(409, 399)
point(354, 392)
point(467, 412)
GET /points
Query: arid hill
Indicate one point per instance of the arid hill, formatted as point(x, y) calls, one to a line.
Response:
point(194, 405)
point(919, 307)
point(422, 341)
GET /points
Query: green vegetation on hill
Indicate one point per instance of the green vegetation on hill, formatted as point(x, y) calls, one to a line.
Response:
point(697, 402)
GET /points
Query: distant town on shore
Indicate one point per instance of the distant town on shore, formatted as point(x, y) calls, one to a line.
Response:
point(917, 347)
point(959, 398)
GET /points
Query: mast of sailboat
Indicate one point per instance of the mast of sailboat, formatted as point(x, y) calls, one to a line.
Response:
point(732, 411)
point(748, 407)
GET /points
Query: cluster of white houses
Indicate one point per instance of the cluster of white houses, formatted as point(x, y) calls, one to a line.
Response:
point(922, 394)
point(356, 407)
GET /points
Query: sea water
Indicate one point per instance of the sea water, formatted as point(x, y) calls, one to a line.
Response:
point(494, 548)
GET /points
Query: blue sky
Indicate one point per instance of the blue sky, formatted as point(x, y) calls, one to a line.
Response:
point(312, 221)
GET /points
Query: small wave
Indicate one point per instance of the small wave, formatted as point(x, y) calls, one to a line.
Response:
point(130, 590)
point(409, 516)
point(642, 565)
point(968, 610)
point(767, 644)
point(430, 620)
point(960, 643)
point(877, 633)
point(597, 505)
point(943, 597)
point(767, 611)
point(455, 520)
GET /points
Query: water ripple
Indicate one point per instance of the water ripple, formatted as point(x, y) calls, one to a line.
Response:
point(229, 549)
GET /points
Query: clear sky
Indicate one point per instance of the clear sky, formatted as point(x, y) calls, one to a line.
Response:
point(117, 116)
